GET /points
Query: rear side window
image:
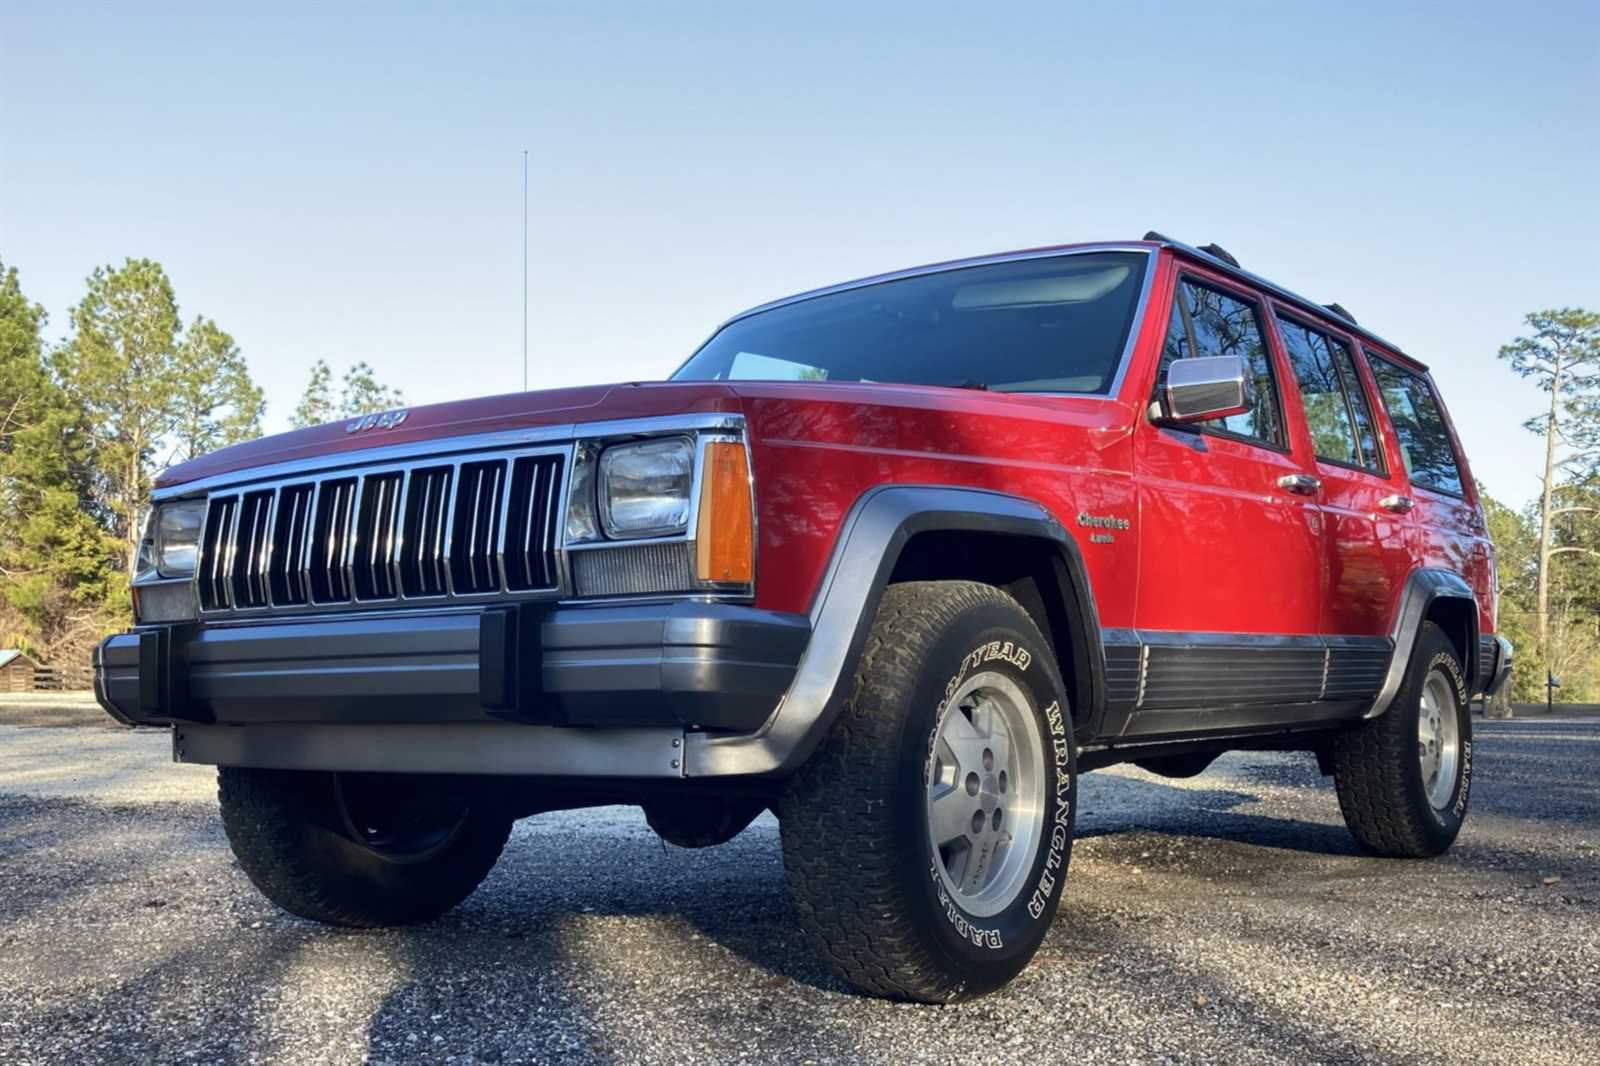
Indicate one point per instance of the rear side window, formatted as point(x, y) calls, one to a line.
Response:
point(1424, 441)
point(1335, 403)
point(1207, 322)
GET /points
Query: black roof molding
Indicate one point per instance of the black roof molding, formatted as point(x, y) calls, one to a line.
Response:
point(1217, 251)
point(1231, 266)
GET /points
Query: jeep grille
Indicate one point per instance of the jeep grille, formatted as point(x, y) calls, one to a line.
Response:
point(478, 527)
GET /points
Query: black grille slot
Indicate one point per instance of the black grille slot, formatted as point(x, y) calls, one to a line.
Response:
point(251, 542)
point(482, 525)
point(422, 533)
point(373, 565)
point(475, 530)
point(286, 569)
point(530, 557)
point(330, 540)
point(214, 552)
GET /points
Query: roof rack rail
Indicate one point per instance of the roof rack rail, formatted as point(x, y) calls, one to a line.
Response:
point(1215, 251)
point(1338, 309)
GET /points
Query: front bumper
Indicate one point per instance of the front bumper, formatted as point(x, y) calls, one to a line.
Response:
point(672, 666)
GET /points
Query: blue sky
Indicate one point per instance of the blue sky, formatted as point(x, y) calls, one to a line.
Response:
point(348, 186)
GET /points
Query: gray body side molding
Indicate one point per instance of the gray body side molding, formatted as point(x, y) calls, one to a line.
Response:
point(870, 542)
point(1422, 589)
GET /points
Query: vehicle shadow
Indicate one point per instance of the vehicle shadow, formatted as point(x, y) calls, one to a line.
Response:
point(1112, 804)
point(641, 913)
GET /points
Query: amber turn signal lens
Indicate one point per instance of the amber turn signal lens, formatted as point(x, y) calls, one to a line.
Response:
point(726, 549)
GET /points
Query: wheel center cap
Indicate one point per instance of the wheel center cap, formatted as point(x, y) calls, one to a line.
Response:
point(989, 792)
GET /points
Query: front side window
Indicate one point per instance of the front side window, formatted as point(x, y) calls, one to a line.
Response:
point(1335, 404)
point(1208, 322)
point(1056, 324)
point(1424, 441)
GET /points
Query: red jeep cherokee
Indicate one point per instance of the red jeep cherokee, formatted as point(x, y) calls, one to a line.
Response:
point(897, 559)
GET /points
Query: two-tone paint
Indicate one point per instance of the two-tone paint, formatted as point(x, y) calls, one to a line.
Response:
point(1222, 601)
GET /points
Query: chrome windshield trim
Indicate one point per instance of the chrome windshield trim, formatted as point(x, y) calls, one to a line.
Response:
point(440, 447)
point(1149, 250)
point(1135, 325)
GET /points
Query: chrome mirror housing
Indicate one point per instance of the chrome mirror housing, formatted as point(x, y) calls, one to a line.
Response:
point(1203, 388)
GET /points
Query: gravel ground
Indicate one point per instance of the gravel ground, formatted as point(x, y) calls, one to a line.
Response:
point(1226, 918)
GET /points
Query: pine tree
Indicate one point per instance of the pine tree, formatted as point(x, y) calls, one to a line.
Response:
point(217, 402)
point(1562, 357)
point(58, 590)
point(363, 395)
point(316, 403)
point(121, 368)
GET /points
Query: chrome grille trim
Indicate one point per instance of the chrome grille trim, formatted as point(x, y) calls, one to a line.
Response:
point(436, 530)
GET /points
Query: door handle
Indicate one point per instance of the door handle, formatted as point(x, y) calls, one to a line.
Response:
point(1300, 484)
point(1397, 503)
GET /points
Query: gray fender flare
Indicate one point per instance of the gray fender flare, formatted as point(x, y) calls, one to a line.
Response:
point(1424, 588)
point(871, 539)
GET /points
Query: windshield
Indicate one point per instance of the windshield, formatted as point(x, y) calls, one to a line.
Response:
point(1057, 324)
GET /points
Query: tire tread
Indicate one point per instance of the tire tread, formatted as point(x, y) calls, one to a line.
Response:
point(269, 816)
point(835, 818)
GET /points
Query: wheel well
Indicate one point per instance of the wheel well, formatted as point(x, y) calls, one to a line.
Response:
point(1032, 572)
point(1456, 617)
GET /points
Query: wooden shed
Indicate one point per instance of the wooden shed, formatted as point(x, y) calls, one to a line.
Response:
point(17, 671)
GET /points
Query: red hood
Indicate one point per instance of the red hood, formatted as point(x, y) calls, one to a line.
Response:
point(488, 414)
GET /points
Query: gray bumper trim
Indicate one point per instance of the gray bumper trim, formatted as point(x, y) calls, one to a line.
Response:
point(501, 748)
point(678, 664)
point(1502, 667)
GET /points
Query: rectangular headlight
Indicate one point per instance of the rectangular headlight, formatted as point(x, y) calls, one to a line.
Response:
point(644, 488)
point(177, 537)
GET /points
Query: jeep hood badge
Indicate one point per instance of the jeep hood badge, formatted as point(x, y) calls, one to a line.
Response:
point(383, 420)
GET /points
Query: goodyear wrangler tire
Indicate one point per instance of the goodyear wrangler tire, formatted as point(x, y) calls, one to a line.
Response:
point(926, 842)
point(1403, 778)
point(360, 850)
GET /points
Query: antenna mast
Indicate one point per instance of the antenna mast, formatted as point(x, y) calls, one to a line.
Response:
point(524, 270)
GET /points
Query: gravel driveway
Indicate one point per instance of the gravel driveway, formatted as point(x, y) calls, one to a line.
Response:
point(1226, 918)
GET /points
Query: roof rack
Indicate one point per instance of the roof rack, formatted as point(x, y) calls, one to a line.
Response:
point(1220, 255)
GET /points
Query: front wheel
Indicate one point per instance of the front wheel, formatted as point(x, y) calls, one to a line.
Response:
point(361, 849)
point(926, 842)
point(1403, 777)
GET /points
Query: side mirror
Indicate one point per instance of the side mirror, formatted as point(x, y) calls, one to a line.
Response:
point(1201, 388)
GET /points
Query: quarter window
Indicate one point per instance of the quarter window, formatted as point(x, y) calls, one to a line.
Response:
point(1424, 442)
point(1335, 403)
point(1207, 322)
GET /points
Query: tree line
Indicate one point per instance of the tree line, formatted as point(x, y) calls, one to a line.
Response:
point(86, 424)
point(1548, 553)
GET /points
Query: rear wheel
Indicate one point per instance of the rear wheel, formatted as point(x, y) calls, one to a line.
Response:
point(1403, 778)
point(927, 840)
point(361, 849)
